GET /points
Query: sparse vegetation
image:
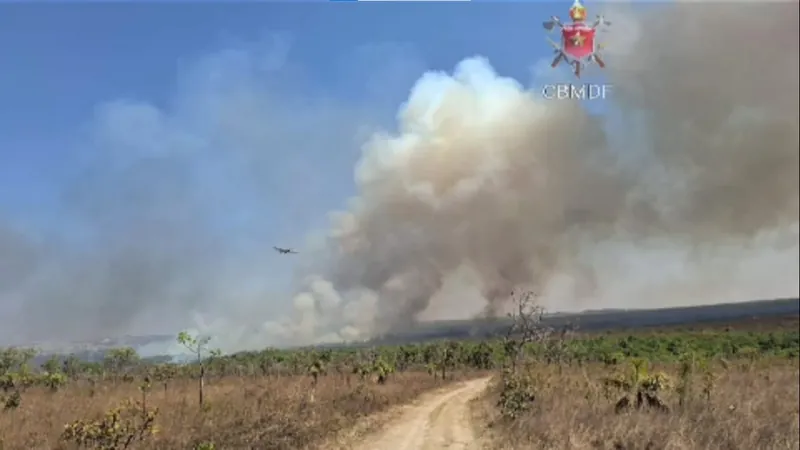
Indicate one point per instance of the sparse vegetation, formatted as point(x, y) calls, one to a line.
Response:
point(627, 407)
point(694, 389)
point(274, 399)
point(703, 389)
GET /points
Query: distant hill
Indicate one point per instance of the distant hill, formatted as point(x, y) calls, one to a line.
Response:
point(96, 350)
point(600, 320)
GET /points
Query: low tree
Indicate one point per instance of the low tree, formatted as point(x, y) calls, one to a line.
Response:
point(518, 390)
point(53, 380)
point(382, 370)
point(480, 356)
point(163, 374)
point(119, 361)
point(72, 366)
point(526, 326)
point(52, 365)
point(16, 359)
point(316, 369)
point(198, 346)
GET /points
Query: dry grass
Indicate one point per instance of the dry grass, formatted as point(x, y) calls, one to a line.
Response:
point(242, 413)
point(751, 408)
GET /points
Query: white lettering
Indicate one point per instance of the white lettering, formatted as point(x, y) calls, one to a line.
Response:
point(547, 91)
point(577, 92)
point(569, 91)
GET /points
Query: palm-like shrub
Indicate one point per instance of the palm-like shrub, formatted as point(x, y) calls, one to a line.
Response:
point(640, 389)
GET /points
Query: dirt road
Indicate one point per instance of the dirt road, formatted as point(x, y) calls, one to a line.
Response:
point(440, 422)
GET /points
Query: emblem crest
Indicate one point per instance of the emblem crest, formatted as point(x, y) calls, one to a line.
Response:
point(578, 46)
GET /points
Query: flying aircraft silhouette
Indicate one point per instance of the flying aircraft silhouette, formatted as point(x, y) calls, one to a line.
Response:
point(284, 251)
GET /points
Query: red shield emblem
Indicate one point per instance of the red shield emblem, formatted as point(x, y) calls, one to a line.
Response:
point(577, 40)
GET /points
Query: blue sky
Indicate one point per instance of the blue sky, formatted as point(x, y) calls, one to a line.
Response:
point(223, 129)
point(158, 151)
point(62, 62)
point(228, 128)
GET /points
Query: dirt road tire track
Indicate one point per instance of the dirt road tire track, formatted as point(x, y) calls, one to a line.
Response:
point(442, 422)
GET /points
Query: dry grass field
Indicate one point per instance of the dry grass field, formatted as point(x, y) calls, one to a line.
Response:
point(723, 388)
point(281, 412)
point(735, 406)
point(743, 406)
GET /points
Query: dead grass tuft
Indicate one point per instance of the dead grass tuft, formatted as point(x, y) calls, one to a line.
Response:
point(751, 407)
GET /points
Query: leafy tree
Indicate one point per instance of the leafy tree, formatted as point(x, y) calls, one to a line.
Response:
point(382, 370)
point(54, 380)
point(199, 348)
point(52, 365)
point(163, 374)
point(480, 356)
point(120, 360)
point(16, 359)
point(72, 366)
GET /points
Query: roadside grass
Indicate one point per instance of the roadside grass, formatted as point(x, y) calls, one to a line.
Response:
point(746, 405)
point(275, 412)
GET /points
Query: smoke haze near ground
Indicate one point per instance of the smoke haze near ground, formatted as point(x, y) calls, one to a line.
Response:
point(685, 192)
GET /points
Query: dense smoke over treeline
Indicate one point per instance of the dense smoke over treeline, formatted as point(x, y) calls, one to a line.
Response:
point(685, 191)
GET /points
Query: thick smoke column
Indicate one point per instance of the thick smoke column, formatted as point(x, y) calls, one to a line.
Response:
point(684, 191)
point(487, 186)
point(481, 177)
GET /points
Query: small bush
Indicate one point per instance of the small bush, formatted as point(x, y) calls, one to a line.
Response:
point(117, 429)
point(517, 394)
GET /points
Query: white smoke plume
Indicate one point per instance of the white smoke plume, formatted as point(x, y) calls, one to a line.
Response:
point(684, 192)
point(485, 186)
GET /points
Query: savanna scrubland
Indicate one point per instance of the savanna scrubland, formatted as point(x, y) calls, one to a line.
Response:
point(495, 190)
point(722, 387)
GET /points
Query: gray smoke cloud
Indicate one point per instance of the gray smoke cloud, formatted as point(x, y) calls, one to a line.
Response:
point(162, 220)
point(485, 186)
point(685, 192)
